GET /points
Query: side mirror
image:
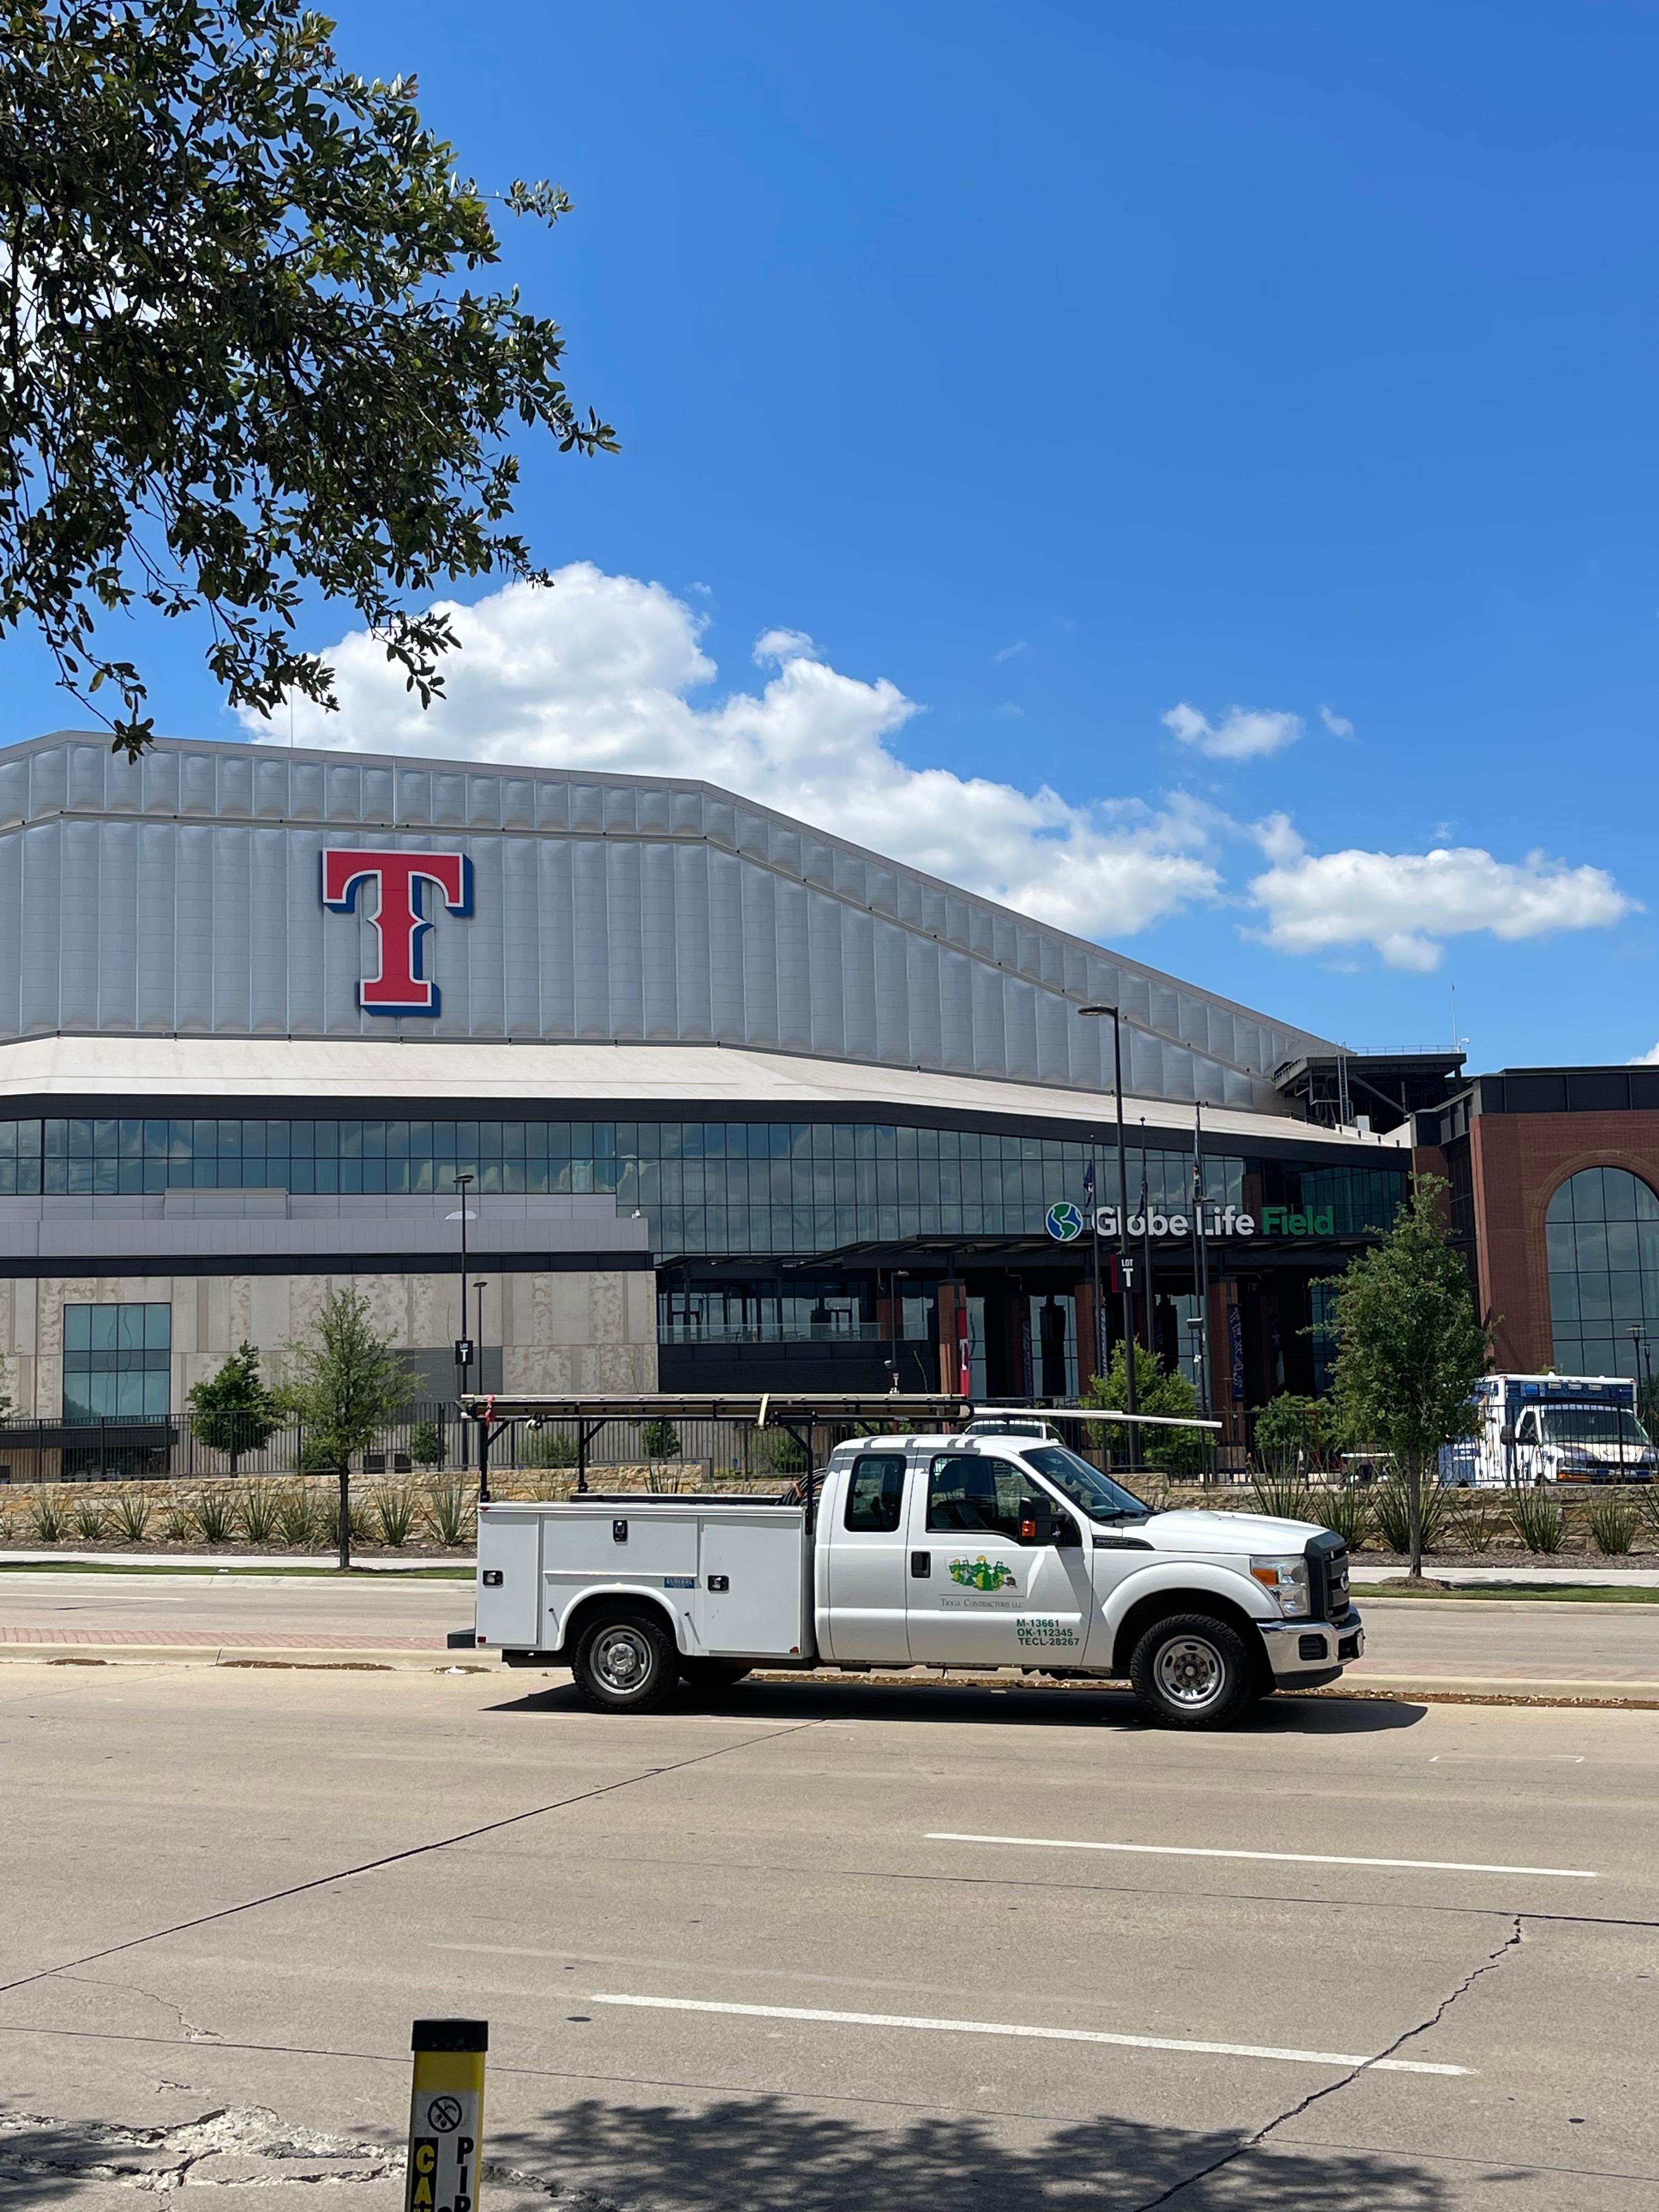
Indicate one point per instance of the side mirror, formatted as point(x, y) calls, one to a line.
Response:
point(1045, 1528)
point(1506, 1436)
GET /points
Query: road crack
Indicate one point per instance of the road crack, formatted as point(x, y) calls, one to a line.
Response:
point(188, 2027)
point(1488, 1965)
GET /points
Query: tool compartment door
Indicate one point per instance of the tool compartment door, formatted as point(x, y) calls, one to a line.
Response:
point(509, 1545)
point(748, 1584)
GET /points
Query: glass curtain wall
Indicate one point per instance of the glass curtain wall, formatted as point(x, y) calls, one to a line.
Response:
point(1602, 1235)
point(707, 1186)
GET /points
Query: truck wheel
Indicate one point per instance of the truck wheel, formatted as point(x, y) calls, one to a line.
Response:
point(1193, 1671)
point(710, 1677)
point(626, 1662)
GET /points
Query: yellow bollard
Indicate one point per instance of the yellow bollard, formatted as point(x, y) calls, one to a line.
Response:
point(446, 2115)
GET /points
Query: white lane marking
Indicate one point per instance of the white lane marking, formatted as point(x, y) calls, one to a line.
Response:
point(1292, 1858)
point(1508, 1759)
point(1038, 2034)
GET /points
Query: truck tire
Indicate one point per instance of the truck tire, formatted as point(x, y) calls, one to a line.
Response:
point(708, 1678)
point(626, 1662)
point(1193, 1671)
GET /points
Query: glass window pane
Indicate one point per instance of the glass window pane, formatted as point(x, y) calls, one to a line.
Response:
point(158, 1328)
point(77, 1328)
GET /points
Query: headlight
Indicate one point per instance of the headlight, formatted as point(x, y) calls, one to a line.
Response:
point(1287, 1579)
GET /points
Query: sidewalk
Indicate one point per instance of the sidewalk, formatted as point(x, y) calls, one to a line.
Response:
point(267, 1563)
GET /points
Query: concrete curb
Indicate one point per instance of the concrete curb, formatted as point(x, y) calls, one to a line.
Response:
point(368, 1660)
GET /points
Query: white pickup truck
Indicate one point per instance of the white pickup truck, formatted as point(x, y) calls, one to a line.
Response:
point(967, 1551)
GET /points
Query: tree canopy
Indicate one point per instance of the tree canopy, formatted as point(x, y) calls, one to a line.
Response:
point(1409, 1347)
point(231, 1411)
point(1158, 1389)
point(233, 367)
point(345, 1381)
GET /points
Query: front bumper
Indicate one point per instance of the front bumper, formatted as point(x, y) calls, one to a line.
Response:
point(1299, 1648)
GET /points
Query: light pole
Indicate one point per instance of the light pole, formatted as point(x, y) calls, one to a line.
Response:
point(480, 1284)
point(1092, 1187)
point(463, 1343)
point(1123, 1264)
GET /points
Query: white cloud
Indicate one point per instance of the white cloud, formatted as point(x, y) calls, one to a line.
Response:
point(1404, 904)
point(1648, 1059)
point(1242, 733)
point(1338, 725)
point(1009, 652)
point(600, 671)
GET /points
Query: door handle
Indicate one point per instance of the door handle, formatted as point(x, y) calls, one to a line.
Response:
point(921, 1565)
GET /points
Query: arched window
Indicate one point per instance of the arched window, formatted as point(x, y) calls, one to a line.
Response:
point(1602, 1231)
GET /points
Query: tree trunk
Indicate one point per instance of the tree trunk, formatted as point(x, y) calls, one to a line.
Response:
point(346, 1520)
point(1415, 1509)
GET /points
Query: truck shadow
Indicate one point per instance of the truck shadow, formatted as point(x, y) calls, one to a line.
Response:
point(1019, 1706)
point(754, 2154)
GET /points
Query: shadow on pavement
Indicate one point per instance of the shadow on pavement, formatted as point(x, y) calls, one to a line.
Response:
point(825, 1697)
point(757, 2154)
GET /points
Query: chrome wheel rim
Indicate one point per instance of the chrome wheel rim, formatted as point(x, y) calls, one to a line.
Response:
point(622, 1658)
point(1191, 1671)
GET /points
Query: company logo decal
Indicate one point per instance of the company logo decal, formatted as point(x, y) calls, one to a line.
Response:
point(981, 1574)
point(1064, 1221)
point(399, 984)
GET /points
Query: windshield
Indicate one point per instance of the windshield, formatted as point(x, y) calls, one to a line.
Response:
point(1100, 1498)
point(1591, 1425)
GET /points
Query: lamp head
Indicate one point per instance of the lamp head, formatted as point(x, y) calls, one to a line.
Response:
point(1110, 1010)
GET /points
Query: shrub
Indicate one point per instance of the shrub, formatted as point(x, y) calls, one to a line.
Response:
point(297, 1518)
point(1392, 1507)
point(449, 1514)
point(664, 1480)
point(1650, 1512)
point(775, 1451)
point(49, 1517)
point(549, 1447)
point(1477, 1518)
point(1613, 1524)
point(1538, 1519)
point(89, 1515)
point(132, 1511)
point(1285, 1494)
point(213, 1515)
point(1347, 1509)
point(660, 1440)
point(393, 1511)
point(1292, 1431)
point(256, 1509)
point(176, 1522)
point(426, 1444)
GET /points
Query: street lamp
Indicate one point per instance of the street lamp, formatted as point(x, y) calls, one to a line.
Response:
point(480, 1284)
point(1099, 1014)
point(894, 1324)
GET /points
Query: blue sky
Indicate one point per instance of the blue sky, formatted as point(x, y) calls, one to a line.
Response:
point(1071, 378)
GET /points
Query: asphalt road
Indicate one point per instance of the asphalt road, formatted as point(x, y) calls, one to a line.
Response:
point(1431, 1642)
point(782, 1955)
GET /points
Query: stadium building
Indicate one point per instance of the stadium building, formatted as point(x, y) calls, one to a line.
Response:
point(744, 1106)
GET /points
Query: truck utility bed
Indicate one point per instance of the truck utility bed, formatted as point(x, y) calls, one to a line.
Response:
point(731, 1570)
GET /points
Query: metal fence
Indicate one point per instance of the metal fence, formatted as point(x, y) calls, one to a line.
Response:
point(433, 1438)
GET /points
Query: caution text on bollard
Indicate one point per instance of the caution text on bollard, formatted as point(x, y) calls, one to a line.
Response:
point(446, 2115)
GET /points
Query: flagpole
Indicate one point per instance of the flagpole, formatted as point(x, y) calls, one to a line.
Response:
point(1202, 1272)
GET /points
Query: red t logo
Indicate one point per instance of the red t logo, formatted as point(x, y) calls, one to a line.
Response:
point(398, 986)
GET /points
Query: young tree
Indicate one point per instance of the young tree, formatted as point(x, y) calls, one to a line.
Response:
point(233, 1411)
point(232, 369)
point(659, 1439)
point(1409, 1348)
point(1158, 1389)
point(345, 1382)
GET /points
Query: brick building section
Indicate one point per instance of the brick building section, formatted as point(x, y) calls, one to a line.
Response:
point(1510, 1167)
